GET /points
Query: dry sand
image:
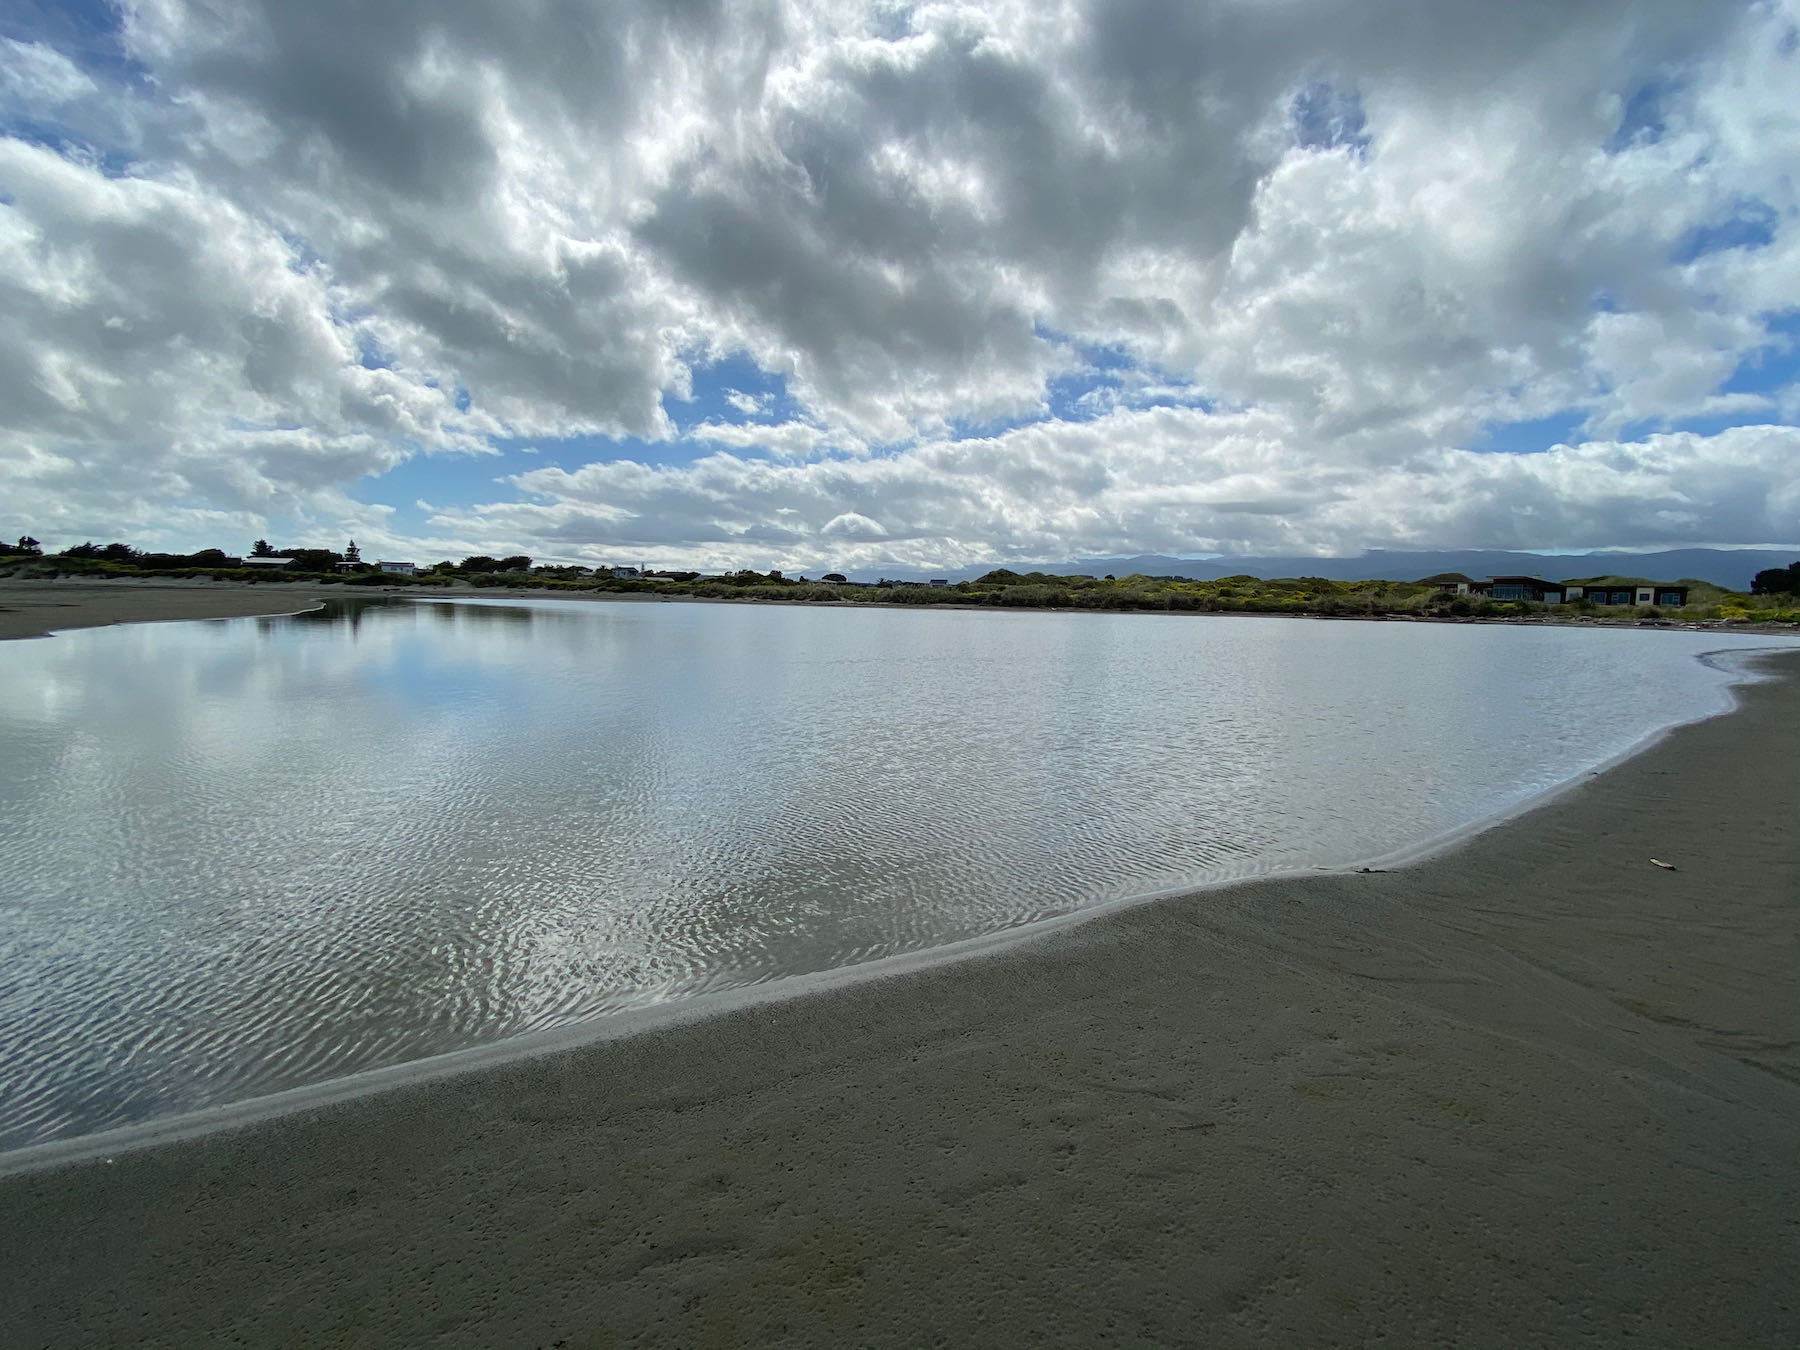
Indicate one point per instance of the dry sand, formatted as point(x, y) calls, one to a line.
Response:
point(1535, 1091)
point(31, 609)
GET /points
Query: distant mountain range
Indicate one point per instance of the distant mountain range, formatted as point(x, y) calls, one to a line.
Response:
point(1730, 568)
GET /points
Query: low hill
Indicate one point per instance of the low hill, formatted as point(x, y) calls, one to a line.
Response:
point(1731, 569)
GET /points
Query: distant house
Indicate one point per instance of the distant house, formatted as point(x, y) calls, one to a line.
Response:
point(940, 581)
point(1630, 591)
point(1450, 583)
point(1609, 591)
point(625, 573)
point(265, 562)
point(399, 569)
point(1535, 589)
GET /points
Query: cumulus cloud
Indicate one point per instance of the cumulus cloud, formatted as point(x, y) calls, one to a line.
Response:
point(1038, 280)
point(1168, 480)
point(792, 440)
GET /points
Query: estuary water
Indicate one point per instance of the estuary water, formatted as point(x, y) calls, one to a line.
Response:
point(242, 856)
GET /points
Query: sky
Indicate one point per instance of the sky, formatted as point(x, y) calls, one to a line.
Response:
point(837, 285)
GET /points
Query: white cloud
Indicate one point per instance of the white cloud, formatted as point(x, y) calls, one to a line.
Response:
point(789, 440)
point(1170, 480)
point(316, 241)
point(38, 76)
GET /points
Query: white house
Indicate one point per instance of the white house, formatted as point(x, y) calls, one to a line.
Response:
point(399, 569)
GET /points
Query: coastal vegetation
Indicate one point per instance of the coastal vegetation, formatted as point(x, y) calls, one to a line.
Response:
point(1775, 597)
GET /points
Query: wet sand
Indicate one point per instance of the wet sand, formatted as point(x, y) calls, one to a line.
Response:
point(1533, 1091)
point(30, 609)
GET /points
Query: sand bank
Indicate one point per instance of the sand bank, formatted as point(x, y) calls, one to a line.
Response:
point(1533, 1091)
point(31, 609)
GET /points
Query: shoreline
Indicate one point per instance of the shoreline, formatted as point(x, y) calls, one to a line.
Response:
point(500, 593)
point(1531, 1089)
point(685, 1009)
point(41, 607)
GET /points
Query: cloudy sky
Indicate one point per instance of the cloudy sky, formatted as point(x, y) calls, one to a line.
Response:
point(834, 284)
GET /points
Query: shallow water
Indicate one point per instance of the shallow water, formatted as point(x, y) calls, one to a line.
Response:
point(241, 856)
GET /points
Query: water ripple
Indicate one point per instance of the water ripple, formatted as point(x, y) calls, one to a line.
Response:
point(243, 857)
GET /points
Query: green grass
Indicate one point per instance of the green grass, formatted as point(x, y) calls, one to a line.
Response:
point(1005, 589)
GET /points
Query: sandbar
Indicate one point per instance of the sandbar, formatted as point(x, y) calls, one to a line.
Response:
point(37, 608)
point(1536, 1090)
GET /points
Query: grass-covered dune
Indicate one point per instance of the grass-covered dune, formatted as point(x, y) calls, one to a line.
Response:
point(1000, 588)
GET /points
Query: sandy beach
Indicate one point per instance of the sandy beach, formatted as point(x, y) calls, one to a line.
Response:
point(1536, 1090)
point(30, 609)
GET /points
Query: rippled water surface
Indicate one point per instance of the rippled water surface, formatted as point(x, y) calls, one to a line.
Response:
point(237, 857)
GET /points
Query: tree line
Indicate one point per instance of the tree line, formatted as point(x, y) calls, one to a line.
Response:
point(317, 560)
point(1772, 596)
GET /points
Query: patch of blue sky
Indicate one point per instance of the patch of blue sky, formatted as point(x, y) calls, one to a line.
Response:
point(1532, 436)
point(1706, 424)
point(460, 481)
point(1106, 377)
point(891, 22)
point(1326, 117)
point(69, 143)
point(1084, 397)
point(1644, 120)
point(1774, 367)
point(1750, 225)
point(48, 136)
point(1699, 426)
point(370, 354)
point(734, 390)
point(303, 258)
point(88, 32)
point(444, 482)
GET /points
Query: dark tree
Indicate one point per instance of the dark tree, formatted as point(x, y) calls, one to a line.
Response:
point(261, 549)
point(101, 552)
point(313, 560)
point(479, 562)
point(517, 563)
point(1777, 581)
point(352, 554)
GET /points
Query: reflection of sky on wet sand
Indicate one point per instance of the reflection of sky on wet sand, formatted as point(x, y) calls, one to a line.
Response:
point(245, 855)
